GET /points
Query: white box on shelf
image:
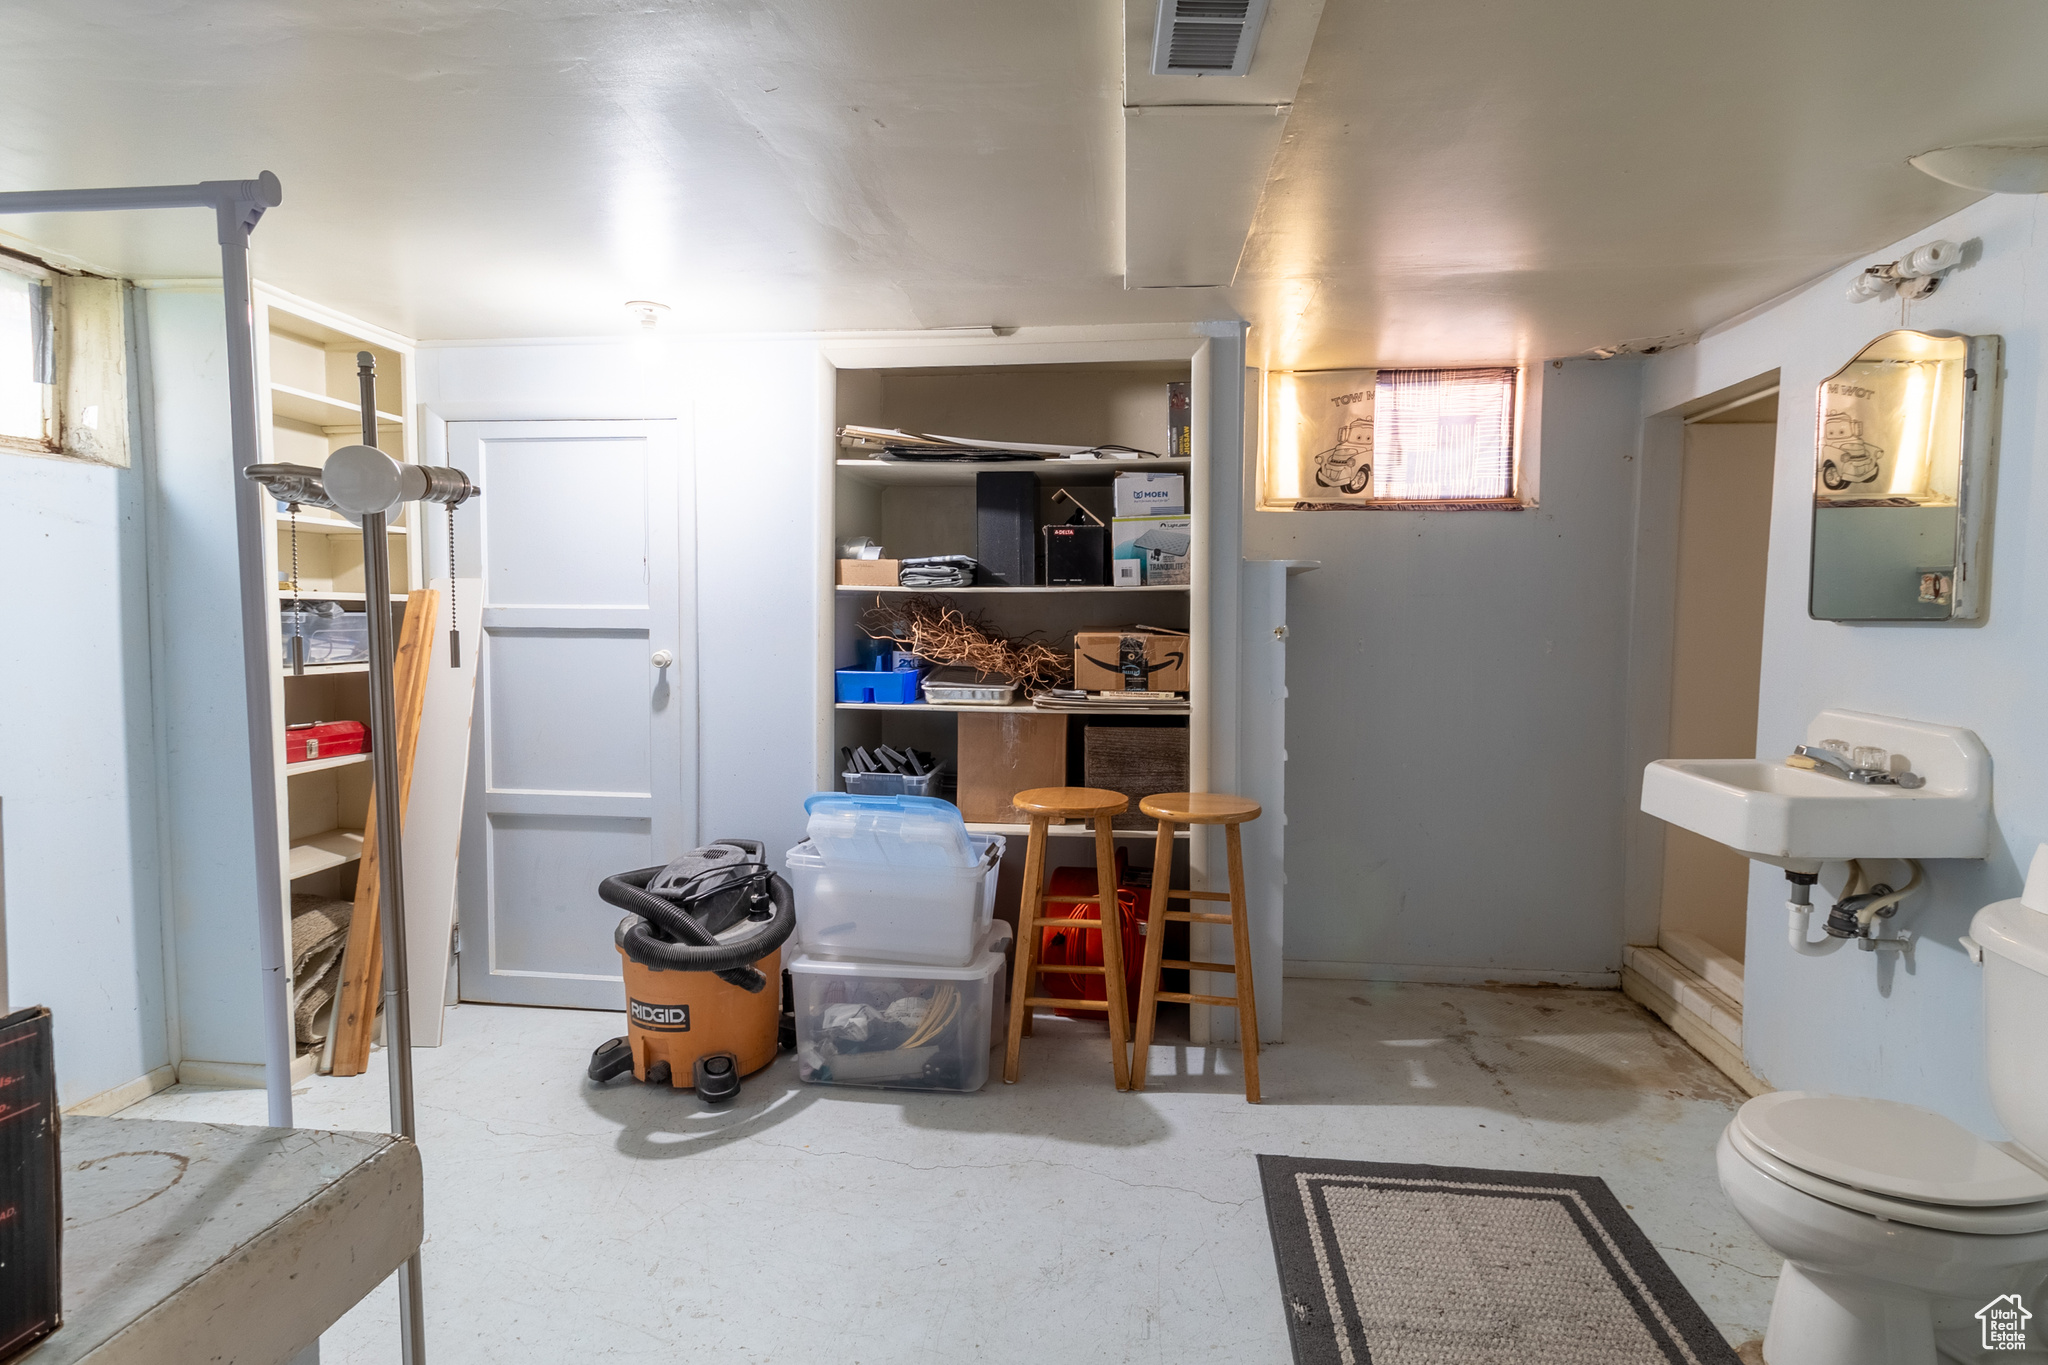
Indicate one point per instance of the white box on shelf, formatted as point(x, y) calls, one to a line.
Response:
point(1151, 495)
point(1158, 545)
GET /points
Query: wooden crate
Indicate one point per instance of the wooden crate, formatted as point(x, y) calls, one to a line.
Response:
point(1004, 753)
point(1137, 760)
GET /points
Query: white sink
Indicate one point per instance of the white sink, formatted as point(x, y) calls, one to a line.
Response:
point(1797, 819)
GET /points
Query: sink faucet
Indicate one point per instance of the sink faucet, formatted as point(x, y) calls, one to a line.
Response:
point(1830, 761)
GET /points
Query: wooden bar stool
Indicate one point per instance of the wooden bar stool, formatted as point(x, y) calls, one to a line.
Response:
point(1044, 805)
point(1198, 808)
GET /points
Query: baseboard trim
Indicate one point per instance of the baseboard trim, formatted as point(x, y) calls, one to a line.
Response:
point(240, 1075)
point(1698, 1033)
point(121, 1096)
point(1448, 976)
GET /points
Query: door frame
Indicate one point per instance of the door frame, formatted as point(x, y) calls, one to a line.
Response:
point(433, 449)
point(1652, 609)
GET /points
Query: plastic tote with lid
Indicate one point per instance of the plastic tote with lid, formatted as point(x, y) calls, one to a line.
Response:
point(892, 879)
point(899, 1026)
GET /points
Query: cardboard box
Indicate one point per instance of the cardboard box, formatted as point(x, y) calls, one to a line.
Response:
point(1151, 495)
point(1137, 760)
point(1004, 753)
point(869, 573)
point(1161, 545)
point(1133, 659)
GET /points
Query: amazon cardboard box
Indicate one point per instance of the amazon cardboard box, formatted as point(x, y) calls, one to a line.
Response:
point(1133, 659)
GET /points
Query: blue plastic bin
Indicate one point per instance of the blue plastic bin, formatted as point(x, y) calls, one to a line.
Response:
point(895, 688)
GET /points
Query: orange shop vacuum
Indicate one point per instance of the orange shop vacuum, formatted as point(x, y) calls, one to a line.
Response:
point(702, 942)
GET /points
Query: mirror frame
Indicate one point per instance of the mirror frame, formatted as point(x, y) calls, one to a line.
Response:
point(1983, 373)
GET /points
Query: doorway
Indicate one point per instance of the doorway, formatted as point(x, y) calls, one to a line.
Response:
point(1720, 534)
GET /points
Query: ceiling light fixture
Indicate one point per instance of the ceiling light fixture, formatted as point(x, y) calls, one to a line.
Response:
point(1914, 276)
point(2017, 167)
point(649, 312)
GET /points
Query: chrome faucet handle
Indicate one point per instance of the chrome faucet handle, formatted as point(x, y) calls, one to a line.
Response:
point(1826, 756)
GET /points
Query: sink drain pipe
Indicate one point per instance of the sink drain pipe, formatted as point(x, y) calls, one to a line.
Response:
point(1854, 916)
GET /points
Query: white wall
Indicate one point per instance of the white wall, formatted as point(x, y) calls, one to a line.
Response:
point(1453, 728)
point(754, 410)
point(77, 768)
point(1851, 1023)
point(209, 866)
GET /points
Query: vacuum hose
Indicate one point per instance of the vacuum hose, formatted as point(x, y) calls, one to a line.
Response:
point(695, 948)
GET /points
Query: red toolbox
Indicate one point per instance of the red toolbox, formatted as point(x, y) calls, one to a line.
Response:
point(328, 739)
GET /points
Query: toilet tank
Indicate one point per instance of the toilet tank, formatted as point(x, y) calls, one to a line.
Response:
point(2014, 938)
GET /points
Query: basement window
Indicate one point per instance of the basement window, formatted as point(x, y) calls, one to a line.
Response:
point(1392, 439)
point(28, 389)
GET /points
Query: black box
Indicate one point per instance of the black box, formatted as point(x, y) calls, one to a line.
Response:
point(1076, 552)
point(1006, 529)
point(1076, 556)
point(31, 1207)
point(1180, 434)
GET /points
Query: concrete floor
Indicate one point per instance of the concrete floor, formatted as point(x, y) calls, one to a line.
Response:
point(1050, 1220)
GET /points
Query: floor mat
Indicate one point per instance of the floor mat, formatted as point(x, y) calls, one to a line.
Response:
point(1386, 1264)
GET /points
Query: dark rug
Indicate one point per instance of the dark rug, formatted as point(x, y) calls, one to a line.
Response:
point(1385, 1264)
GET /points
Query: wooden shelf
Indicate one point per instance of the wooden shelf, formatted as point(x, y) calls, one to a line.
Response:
point(317, 409)
point(324, 670)
point(949, 473)
point(315, 595)
point(329, 848)
point(1075, 830)
point(315, 765)
point(1024, 710)
point(328, 526)
point(1017, 592)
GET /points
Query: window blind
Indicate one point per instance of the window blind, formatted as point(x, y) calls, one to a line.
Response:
point(1442, 435)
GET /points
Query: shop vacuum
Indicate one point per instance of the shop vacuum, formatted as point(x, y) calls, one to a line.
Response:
point(702, 942)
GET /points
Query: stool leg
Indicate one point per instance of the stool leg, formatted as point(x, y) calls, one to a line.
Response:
point(1155, 948)
point(1112, 953)
point(1028, 905)
point(1241, 942)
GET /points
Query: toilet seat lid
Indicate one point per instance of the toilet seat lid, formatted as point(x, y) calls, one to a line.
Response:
point(1888, 1148)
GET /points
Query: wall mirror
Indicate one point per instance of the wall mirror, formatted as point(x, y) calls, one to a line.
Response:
point(1905, 435)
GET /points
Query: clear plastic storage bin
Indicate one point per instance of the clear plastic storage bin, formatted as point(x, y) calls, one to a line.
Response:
point(896, 784)
point(331, 634)
point(880, 913)
point(897, 1026)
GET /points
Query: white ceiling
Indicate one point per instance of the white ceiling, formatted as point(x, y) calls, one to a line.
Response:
point(1483, 180)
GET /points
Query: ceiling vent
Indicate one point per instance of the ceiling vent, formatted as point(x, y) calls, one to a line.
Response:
point(1206, 37)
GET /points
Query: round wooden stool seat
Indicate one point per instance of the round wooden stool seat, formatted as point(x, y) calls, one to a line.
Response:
point(1073, 802)
point(1200, 808)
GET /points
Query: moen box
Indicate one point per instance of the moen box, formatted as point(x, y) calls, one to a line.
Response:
point(1160, 545)
point(1151, 495)
point(1131, 659)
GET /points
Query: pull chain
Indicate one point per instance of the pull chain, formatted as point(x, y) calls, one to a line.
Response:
point(298, 607)
point(454, 635)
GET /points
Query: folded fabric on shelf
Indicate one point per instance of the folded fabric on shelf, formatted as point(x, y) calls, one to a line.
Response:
point(938, 571)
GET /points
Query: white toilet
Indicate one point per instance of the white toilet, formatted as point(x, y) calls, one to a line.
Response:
point(1898, 1226)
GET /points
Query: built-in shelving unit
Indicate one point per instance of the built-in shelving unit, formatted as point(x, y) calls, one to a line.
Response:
point(928, 508)
point(306, 361)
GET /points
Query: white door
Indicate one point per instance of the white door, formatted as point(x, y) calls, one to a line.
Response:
point(579, 758)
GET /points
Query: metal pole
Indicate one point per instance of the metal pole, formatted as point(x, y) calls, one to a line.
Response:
point(390, 855)
point(249, 533)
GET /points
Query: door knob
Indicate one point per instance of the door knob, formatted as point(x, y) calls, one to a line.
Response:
point(662, 658)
